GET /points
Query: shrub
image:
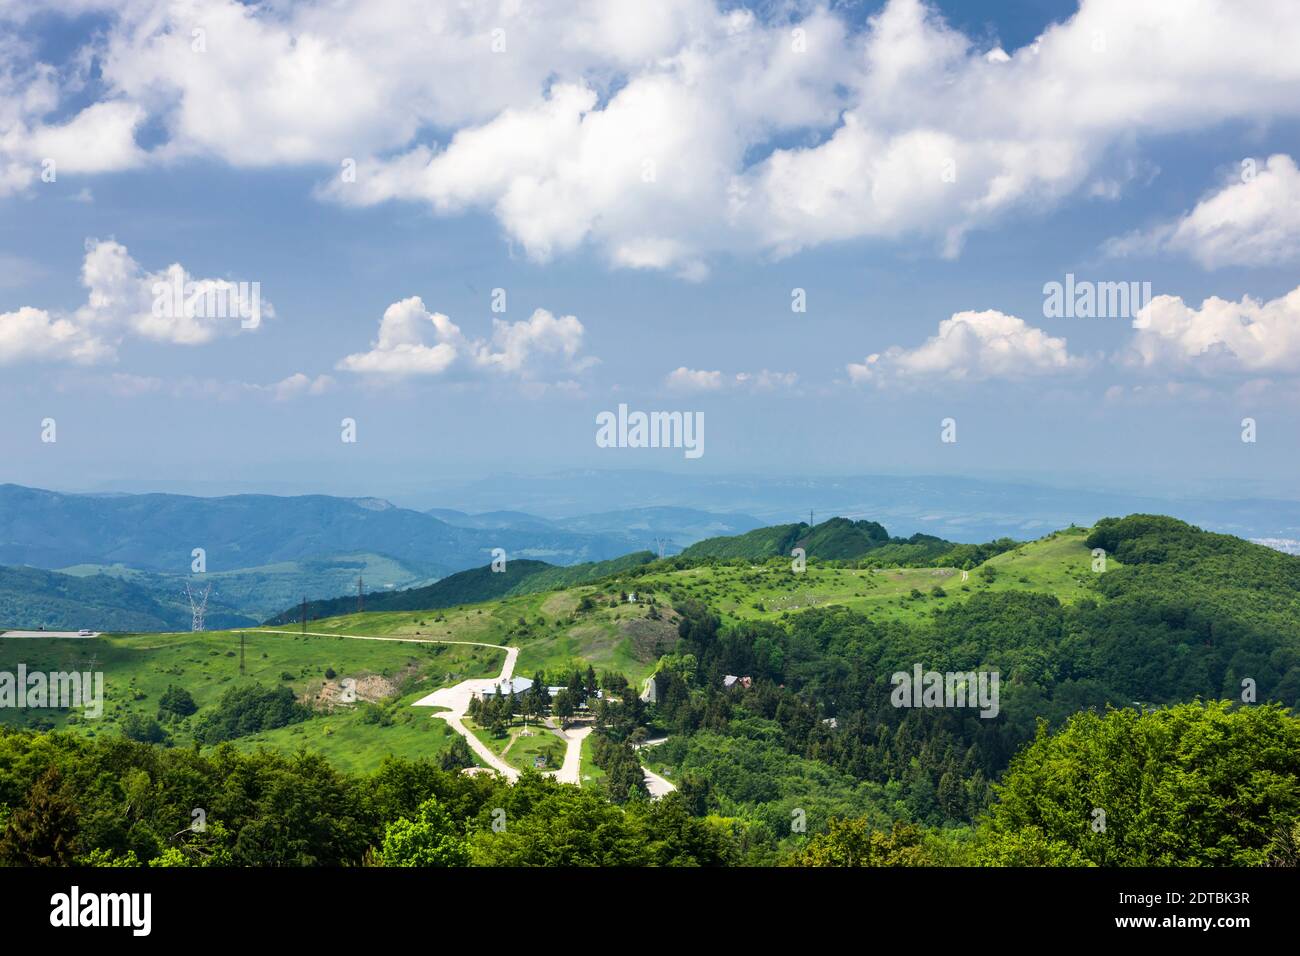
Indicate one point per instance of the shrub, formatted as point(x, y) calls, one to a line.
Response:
point(144, 729)
point(249, 710)
point(176, 702)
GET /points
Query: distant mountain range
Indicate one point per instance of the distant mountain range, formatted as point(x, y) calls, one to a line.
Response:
point(950, 507)
point(953, 507)
point(675, 528)
point(121, 561)
point(46, 529)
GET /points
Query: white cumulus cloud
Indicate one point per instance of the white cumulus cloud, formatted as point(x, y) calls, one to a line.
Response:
point(664, 135)
point(1222, 336)
point(971, 346)
point(1253, 220)
point(124, 300)
point(414, 341)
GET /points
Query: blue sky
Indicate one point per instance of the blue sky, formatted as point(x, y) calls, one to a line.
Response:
point(1162, 152)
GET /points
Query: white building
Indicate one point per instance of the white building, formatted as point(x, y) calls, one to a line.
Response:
point(516, 685)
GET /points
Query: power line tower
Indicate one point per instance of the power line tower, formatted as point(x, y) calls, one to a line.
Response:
point(661, 545)
point(361, 595)
point(198, 605)
point(810, 517)
point(302, 615)
point(241, 654)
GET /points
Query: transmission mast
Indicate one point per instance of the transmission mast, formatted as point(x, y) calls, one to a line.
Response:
point(302, 616)
point(361, 595)
point(198, 605)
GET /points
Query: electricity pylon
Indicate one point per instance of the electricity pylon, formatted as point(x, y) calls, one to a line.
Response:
point(198, 606)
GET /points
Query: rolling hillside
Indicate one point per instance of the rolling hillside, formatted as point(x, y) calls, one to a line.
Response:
point(840, 539)
point(470, 587)
point(1173, 614)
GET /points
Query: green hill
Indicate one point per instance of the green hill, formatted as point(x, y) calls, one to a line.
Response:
point(1172, 614)
point(841, 539)
point(470, 587)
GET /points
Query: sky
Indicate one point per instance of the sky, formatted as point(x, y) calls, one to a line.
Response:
point(829, 230)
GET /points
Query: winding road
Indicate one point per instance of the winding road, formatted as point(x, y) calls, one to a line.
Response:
point(456, 701)
point(655, 784)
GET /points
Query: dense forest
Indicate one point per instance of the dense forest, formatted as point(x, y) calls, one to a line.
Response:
point(1170, 625)
point(1193, 784)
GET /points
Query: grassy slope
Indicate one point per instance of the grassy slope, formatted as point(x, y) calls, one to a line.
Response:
point(476, 585)
point(137, 669)
point(552, 631)
point(353, 745)
point(835, 539)
point(1059, 563)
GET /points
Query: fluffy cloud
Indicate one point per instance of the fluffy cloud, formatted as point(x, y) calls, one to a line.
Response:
point(1253, 220)
point(402, 347)
point(1246, 337)
point(661, 134)
point(919, 132)
point(33, 335)
point(125, 300)
point(414, 341)
point(698, 380)
point(99, 138)
point(170, 305)
point(971, 346)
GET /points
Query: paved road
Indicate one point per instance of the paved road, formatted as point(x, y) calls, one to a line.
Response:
point(656, 784)
point(571, 770)
point(456, 699)
point(73, 634)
